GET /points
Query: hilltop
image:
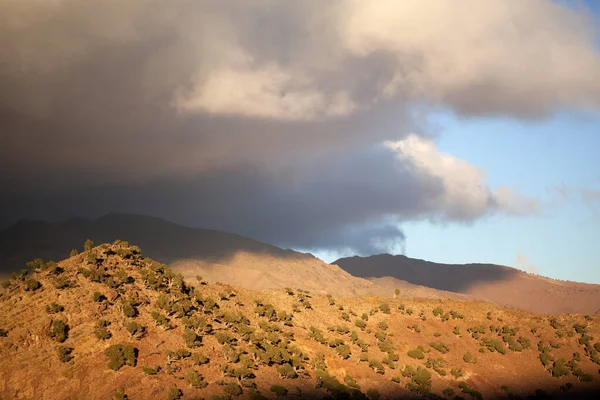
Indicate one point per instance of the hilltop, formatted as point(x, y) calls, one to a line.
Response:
point(488, 282)
point(109, 323)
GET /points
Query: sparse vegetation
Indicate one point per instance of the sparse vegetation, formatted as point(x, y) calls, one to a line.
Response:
point(241, 340)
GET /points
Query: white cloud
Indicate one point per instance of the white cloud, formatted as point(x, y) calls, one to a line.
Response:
point(466, 194)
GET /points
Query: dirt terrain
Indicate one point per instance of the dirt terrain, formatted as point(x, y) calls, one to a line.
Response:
point(109, 323)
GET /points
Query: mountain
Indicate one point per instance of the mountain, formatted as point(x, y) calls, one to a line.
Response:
point(216, 256)
point(110, 323)
point(494, 283)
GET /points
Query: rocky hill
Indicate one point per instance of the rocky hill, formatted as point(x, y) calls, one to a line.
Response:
point(109, 323)
point(494, 283)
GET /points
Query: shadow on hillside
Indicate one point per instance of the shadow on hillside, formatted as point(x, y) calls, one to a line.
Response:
point(593, 393)
point(159, 239)
point(449, 277)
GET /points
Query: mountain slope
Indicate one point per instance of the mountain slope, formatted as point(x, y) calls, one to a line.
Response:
point(217, 256)
point(109, 320)
point(498, 284)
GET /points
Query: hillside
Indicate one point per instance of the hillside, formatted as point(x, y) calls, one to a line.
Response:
point(217, 256)
point(108, 323)
point(494, 283)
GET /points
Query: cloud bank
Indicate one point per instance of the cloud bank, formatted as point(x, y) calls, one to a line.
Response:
point(287, 121)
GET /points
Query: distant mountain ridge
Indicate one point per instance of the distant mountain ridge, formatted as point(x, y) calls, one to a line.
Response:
point(494, 283)
point(217, 256)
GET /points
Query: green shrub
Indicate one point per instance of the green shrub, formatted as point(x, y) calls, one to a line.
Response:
point(54, 308)
point(200, 359)
point(195, 379)
point(279, 391)
point(448, 392)
point(440, 346)
point(129, 310)
point(102, 333)
point(174, 393)
point(418, 353)
point(58, 330)
point(87, 246)
point(456, 372)
point(349, 380)
point(151, 371)
point(468, 358)
point(120, 395)
point(64, 353)
point(98, 297)
point(119, 355)
point(559, 369)
point(32, 285)
point(233, 389)
point(373, 394)
point(385, 308)
point(191, 338)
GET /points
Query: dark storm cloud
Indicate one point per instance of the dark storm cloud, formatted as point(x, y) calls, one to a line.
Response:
point(267, 118)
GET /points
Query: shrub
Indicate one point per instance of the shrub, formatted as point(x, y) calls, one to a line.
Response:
point(32, 285)
point(64, 353)
point(58, 330)
point(448, 392)
point(87, 246)
point(376, 366)
point(54, 308)
point(120, 395)
point(174, 393)
point(364, 317)
point(279, 391)
point(360, 323)
point(559, 369)
point(287, 371)
point(195, 379)
point(456, 372)
point(129, 310)
point(418, 353)
point(373, 394)
point(385, 308)
point(383, 325)
point(233, 389)
point(151, 371)
point(98, 297)
point(440, 346)
point(119, 355)
point(191, 338)
point(437, 334)
point(468, 358)
point(3, 332)
point(134, 329)
point(200, 359)
point(349, 380)
point(102, 333)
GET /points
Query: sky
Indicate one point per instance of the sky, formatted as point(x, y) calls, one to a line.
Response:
point(463, 132)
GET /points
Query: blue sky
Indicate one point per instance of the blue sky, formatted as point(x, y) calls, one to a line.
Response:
point(535, 158)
